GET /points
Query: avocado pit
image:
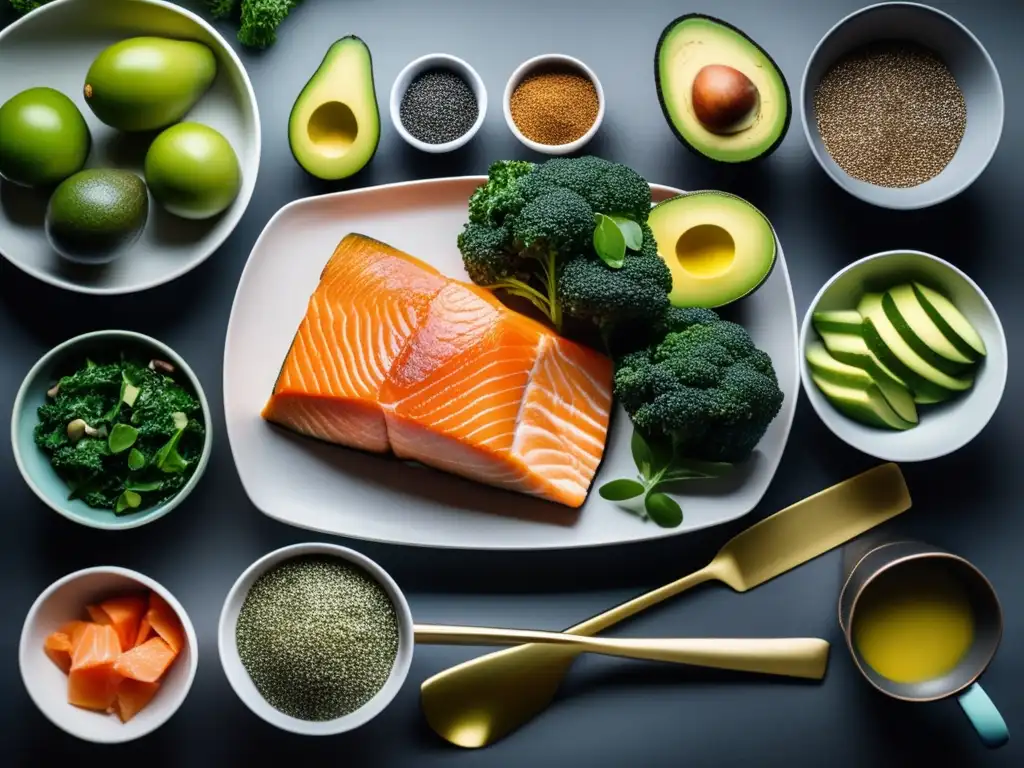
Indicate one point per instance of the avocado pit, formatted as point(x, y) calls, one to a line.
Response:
point(724, 99)
point(333, 128)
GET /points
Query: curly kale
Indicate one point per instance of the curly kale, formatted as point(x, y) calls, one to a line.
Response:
point(24, 6)
point(260, 20)
point(704, 387)
point(122, 435)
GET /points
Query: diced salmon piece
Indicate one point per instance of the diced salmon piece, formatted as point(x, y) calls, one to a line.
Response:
point(58, 647)
point(93, 687)
point(97, 614)
point(145, 630)
point(125, 613)
point(98, 646)
point(147, 662)
point(74, 630)
point(133, 696)
point(165, 622)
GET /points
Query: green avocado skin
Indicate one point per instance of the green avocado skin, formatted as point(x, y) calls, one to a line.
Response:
point(96, 215)
point(43, 138)
point(148, 83)
point(192, 171)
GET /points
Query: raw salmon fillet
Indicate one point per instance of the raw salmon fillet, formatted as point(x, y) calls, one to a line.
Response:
point(393, 356)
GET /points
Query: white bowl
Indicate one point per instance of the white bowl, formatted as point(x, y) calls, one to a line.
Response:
point(942, 428)
point(243, 684)
point(54, 46)
point(64, 601)
point(423, 64)
point(543, 62)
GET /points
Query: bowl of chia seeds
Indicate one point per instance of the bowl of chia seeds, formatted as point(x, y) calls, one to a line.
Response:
point(438, 103)
point(315, 639)
point(902, 105)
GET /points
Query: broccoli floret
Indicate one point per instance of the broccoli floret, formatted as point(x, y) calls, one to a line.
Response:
point(705, 388)
point(260, 20)
point(589, 290)
point(500, 197)
point(608, 187)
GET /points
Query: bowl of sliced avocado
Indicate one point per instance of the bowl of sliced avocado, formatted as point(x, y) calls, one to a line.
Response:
point(904, 357)
point(129, 143)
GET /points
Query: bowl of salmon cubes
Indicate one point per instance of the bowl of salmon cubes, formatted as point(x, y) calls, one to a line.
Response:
point(107, 654)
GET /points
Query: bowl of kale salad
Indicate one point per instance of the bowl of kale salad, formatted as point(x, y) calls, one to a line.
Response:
point(111, 429)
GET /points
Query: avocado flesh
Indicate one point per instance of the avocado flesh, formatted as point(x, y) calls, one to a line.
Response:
point(147, 83)
point(334, 126)
point(865, 405)
point(837, 321)
point(718, 247)
point(951, 322)
point(920, 332)
point(843, 351)
point(890, 347)
point(694, 41)
point(96, 215)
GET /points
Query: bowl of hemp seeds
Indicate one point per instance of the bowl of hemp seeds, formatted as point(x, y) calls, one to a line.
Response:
point(554, 104)
point(438, 103)
point(902, 105)
point(315, 639)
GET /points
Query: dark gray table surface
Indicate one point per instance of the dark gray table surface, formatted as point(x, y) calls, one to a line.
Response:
point(610, 713)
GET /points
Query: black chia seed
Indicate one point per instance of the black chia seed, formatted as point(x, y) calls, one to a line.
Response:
point(318, 637)
point(438, 107)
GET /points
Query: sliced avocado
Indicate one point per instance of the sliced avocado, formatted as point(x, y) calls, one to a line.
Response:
point(743, 75)
point(334, 126)
point(866, 405)
point(931, 399)
point(837, 321)
point(920, 332)
point(828, 366)
point(951, 322)
point(718, 247)
point(885, 341)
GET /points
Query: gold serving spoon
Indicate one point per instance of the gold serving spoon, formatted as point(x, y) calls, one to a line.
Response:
point(482, 700)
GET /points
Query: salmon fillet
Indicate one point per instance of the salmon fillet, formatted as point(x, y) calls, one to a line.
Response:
point(393, 356)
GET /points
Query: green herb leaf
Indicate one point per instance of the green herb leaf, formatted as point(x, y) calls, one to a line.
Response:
point(621, 490)
point(631, 232)
point(663, 509)
point(690, 468)
point(136, 459)
point(89, 363)
point(127, 500)
point(122, 437)
point(609, 242)
point(144, 487)
point(642, 455)
point(168, 459)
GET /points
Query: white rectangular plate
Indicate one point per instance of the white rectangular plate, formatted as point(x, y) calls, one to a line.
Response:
point(349, 493)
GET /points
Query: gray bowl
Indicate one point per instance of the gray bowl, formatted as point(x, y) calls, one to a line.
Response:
point(966, 58)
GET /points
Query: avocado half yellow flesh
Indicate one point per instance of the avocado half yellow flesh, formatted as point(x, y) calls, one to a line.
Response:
point(718, 247)
point(334, 126)
point(694, 41)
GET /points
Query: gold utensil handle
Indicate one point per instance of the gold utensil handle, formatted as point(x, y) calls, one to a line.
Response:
point(805, 657)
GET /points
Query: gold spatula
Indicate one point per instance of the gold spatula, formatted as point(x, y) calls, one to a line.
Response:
point(482, 700)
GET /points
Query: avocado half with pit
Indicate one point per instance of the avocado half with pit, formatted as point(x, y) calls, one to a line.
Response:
point(334, 126)
point(721, 93)
point(718, 247)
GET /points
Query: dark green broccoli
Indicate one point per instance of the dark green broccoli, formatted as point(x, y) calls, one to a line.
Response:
point(221, 9)
point(704, 387)
point(530, 233)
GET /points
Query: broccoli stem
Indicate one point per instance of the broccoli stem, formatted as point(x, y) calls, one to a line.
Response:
point(550, 274)
point(525, 291)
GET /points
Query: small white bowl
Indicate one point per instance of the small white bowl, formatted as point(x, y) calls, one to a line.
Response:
point(942, 428)
point(243, 684)
point(548, 61)
point(64, 601)
point(423, 64)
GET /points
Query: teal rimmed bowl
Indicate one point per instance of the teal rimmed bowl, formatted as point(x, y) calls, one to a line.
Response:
point(35, 466)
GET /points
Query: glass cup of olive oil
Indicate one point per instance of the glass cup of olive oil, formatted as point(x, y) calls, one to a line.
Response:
point(922, 625)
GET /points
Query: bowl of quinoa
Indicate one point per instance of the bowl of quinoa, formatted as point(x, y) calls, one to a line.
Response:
point(902, 105)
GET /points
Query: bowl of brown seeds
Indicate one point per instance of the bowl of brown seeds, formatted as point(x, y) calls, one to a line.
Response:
point(554, 104)
point(902, 105)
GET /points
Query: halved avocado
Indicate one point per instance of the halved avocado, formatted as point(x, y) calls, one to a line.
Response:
point(334, 126)
point(718, 247)
point(744, 87)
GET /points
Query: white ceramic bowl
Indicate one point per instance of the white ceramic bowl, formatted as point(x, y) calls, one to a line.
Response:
point(547, 61)
point(64, 601)
point(246, 689)
point(54, 46)
point(942, 428)
point(423, 64)
point(966, 58)
point(35, 466)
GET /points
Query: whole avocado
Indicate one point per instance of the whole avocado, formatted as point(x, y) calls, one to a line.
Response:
point(96, 215)
point(43, 138)
point(148, 83)
point(192, 171)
